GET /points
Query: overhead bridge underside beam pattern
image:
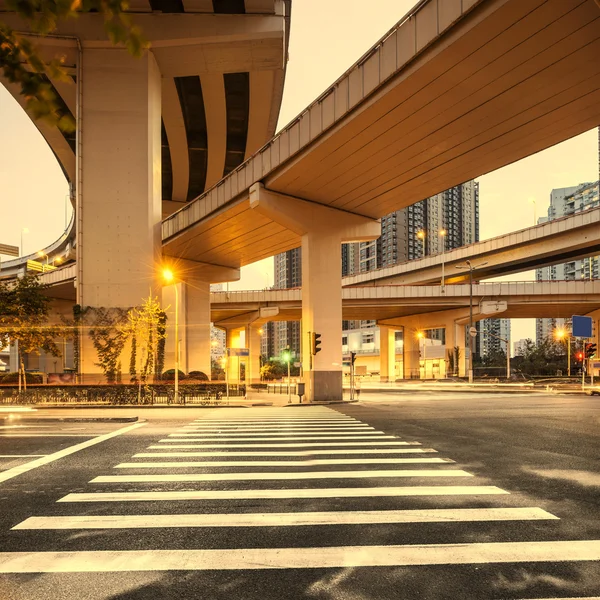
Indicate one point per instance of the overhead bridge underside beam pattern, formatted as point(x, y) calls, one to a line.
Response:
point(444, 98)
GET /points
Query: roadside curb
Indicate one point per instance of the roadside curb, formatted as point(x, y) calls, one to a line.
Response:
point(321, 403)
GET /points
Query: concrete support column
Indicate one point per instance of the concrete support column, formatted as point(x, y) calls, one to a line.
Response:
point(233, 339)
point(197, 318)
point(322, 313)
point(322, 230)
point(387, 353)
point(411, 354)
point(455, 337)
point(253, 344)
point(119, 182)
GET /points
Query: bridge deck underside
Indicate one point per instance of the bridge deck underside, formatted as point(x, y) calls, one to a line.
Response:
point(512, 78)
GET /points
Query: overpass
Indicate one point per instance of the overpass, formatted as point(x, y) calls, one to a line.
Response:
point(454, 90)
point(411, 309)
point(552, 243)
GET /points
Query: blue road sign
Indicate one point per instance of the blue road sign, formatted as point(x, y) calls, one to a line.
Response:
point(238, 352)
point(582, 327)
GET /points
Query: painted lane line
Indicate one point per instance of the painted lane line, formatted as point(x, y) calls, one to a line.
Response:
point(299, 558)
point(19, 455)
point(294, 494)
point(278, 420)
point(298, 453)
point(290, 476)
point(34, 464)
point(301, 445)
point(31, 435)
point(295, 519)
point(208, 464)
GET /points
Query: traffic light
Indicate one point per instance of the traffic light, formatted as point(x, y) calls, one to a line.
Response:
point(316, 342)
point(287, 355)
point(352, 357)
point(590, 350)
point(579, 356)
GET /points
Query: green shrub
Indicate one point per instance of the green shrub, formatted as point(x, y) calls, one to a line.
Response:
point(170, 375)
point(198, 375)
point(14, 378)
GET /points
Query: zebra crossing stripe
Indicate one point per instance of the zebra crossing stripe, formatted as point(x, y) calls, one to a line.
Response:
point(298, 493)
point(279, 463)
point(296, 453)
point(272, 438)
point(298, 445)
point(241, 559)
point(440, 515)
point(178, 477)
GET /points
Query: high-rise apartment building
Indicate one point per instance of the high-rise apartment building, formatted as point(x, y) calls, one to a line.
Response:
point(563, 203)
point(492, 333)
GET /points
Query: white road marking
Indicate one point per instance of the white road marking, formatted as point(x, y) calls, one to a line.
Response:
point(180, 477)
point(299, 558)
point(374, 492)
point(19, 455)
point(241, 434)
point(272, 438)
point(30, 435)
point(268, 421)
point(234, 429)
point(442, 515)
point(34, 464)
point(300, 445)
point(296, 453)
point(280, 463)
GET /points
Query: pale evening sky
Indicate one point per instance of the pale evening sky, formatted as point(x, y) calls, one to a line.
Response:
point(326, 39)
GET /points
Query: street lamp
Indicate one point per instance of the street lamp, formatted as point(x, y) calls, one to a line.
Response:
point(532, 200)
point(442, 233)
point(562, 334)
point(421, 236)
point(470, 340)
point(23, 231)
point(169, 278)
point(41, 254)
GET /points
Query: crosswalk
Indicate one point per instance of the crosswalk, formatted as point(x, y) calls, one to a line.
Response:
point(325, 470)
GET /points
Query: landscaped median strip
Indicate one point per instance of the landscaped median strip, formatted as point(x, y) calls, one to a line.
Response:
point(294, 519)
point(241, 559)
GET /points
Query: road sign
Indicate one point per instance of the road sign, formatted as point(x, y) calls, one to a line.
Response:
point(473, 331)
point(9, 250)
point(297, 364)
point(238, 352)
point(582, 326)
point(490, 307)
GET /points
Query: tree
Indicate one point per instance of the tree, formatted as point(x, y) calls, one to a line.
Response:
point(21, 62)
point(146, 328)
point(108, 332)
point(24, 318)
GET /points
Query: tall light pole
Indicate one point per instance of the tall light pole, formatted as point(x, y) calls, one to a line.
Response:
point(169, 278)
point(23, 231)
point(421, 236)
point(470, 337)
point(442, 233)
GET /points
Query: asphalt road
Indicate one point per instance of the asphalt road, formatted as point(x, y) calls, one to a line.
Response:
point(424, 496)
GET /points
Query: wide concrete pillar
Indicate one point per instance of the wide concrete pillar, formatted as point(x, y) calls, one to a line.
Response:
point(322, 313)
point(455, 338)
point(322, 230)
point(387, 353)
point(197, 310)
point(233, 339)
point(119, 183)
point(411, 355)
point(253, 334)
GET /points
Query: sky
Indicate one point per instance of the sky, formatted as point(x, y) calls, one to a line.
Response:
point(326, 39)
